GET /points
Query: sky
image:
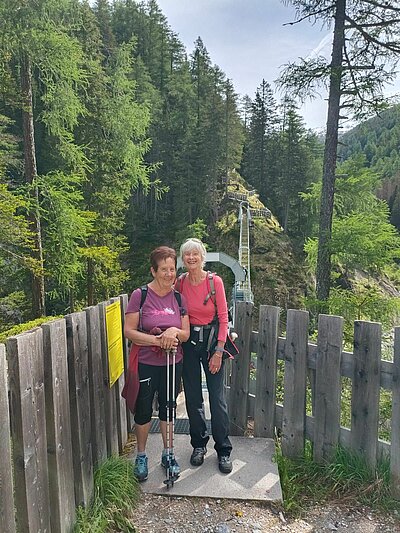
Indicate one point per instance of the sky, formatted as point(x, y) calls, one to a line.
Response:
point(249, 41)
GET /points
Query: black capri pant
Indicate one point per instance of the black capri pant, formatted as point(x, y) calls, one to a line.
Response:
point(154, 379)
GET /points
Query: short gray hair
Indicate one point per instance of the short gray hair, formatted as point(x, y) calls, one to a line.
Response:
point(194, 244)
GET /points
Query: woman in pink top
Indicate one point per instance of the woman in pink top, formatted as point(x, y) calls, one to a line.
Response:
point(202, 351)
point(159, 325)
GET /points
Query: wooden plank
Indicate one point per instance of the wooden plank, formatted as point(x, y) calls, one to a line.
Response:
point(264, 410)
point(120, 403)
point(124, 304)
point(78, 372)
point(365, 390)
point(294, 405)
point(327, 387)
point(58, 425)
point(395, 435)
point(96, 386)
point(28, 429)
point(7, 518)
point(111, 426)
point(240, 370)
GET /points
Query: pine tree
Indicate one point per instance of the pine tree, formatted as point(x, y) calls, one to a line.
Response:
point(113, 134)
point(37, 40)
point(259, 160)
point(298, 168)
point(364, 50)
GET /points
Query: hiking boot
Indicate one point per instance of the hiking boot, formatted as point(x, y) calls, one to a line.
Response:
point(140, 469)
point(197, 457)
point(225, 464)
point(175, 468)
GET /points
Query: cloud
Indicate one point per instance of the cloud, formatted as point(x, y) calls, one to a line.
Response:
point(322, 47)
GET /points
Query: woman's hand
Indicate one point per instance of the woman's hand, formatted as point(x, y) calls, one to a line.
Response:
point(169, 338)
point(215, 362)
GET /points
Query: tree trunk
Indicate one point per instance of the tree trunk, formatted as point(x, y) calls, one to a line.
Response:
point(38, 294)
point(330, 154)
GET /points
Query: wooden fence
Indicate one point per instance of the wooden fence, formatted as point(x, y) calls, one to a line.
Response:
point(59, 419)
point(322, 366)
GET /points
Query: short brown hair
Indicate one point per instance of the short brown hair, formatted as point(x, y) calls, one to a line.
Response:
point(161, 254)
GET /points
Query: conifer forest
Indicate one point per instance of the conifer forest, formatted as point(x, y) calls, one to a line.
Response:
point(115, 139)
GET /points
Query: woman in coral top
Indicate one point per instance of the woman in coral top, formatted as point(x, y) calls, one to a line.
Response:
point(203, 351)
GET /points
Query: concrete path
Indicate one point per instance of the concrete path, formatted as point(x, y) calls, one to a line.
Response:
point(254, 475)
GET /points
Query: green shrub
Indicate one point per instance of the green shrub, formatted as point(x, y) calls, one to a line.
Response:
point(26, 326)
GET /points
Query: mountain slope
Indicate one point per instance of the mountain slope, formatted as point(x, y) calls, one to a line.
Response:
point(278, 274)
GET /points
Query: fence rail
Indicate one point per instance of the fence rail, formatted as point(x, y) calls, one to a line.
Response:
point(320, 367)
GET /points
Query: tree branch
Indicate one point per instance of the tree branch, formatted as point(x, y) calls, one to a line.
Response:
point(390, 45)
point(387, 5)
point(381, 24)
point(310, 15)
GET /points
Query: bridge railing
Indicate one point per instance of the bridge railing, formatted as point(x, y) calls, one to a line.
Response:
point(59, 419)
point(320, 368)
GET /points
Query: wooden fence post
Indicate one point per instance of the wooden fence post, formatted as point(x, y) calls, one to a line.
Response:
point(327, 387)
point(395, 435)
point(58, 425)
point(365, 390)
point(124, 304)
point(118, 387)
point(96, 386)
point(7, 518)
point(239, 390)
point(28, 423)
point(264, 409)
point(78, 371)
point(295, 380)
point(111, 427)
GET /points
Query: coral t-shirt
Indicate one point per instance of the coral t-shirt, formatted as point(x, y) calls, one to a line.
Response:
point(200, 313)
point(157, 312)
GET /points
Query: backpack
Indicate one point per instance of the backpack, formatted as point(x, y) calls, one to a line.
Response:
point(231, 349)
point(143, 297)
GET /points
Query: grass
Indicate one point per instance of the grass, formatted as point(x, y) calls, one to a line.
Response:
point(346, 479)
point(116, 493)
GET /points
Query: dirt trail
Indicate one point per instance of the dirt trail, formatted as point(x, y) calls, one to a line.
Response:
point(163, 514)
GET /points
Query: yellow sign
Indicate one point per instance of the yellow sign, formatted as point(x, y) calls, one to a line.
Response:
point(114, 342)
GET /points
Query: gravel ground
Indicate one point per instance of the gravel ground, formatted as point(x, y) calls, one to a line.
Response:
point(167, 514)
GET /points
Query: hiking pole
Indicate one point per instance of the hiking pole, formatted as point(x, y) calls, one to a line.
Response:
point(171, 476)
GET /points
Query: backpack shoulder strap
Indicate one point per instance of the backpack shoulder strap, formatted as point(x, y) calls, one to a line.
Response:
point(178, 297)
point(143, 297)
point(179, 282)
point(212, 285)
point(211, 290)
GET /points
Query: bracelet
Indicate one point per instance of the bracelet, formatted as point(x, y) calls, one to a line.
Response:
point(219, 349)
